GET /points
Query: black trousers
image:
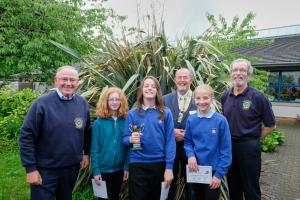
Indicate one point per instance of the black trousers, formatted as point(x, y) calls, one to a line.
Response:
point(180, 165)
point(57, 183)
point(113, 184)
point(203, 192)
point(244, 172)
point(145, 180)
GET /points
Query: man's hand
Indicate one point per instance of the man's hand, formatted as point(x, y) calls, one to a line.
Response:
point(34, 178)
point(125, 176)
point(215, 183)
point(192, 164)
point(266, 131)
point(97, 179)
point(168, 176)
point(179, 134)
point(85, 161)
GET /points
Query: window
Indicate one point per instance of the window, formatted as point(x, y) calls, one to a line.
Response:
point(285, 86)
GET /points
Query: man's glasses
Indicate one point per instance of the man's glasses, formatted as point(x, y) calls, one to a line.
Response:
point(66, 79)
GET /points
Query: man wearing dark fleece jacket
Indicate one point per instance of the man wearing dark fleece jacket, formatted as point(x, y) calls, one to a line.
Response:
point(55, 139)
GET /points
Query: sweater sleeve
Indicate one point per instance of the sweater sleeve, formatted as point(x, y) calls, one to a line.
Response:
point(170, 149)
point(127, 131)
point(225, 150)
point(188, 141)
point(95, 149)
point(28, 137)
point(87, 135)
point(126, 164)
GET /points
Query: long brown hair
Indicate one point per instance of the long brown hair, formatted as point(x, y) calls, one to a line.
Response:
point(102, 108)
point(158, 99)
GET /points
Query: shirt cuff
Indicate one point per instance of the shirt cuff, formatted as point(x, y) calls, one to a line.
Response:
point(30, 168)
point(218, 175)
point(169, 165)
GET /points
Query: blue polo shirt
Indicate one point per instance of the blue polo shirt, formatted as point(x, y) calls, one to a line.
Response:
point(246, 112)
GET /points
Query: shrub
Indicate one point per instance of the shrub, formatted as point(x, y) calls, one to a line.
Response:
point(271, 141)
point(14, 106)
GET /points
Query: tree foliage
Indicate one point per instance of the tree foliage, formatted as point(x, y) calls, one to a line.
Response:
point(13, 108)
point(227, 36)
point(26, 27)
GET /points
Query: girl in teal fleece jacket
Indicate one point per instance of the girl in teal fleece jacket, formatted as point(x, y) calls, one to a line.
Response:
point(108, 153)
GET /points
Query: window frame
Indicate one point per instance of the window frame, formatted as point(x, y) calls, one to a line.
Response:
point(280, 86)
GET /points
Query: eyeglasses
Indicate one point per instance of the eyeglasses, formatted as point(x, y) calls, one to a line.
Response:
point(66, 79)
point(185, 78)
point(114, 99)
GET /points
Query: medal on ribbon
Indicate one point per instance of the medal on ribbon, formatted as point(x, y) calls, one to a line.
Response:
point(180, 117)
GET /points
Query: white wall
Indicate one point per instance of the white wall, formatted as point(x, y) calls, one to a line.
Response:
point(286, 110)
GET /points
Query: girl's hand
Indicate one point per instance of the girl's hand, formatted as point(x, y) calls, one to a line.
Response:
point(192, 164)
point(125, 176)
point(168, 176)
point(135, 138)
point(215, 183)
point(97, 179)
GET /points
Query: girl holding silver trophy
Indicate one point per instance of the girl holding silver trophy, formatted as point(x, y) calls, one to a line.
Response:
point(149, 132)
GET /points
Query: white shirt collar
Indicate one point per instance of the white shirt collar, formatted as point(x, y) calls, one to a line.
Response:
point(146, 108)
point(185, 95)
point(208, 115)
point(61, 96)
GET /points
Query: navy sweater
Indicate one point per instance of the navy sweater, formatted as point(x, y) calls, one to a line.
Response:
point(158, 140)
point(55, 132)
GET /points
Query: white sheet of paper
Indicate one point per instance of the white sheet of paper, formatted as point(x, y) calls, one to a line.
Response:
point(100, 190)
point(164, 191)
point(203, 175)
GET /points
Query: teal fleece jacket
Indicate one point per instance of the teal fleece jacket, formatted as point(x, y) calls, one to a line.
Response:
point(108, 153)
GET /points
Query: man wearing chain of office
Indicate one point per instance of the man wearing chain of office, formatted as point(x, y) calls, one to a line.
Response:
point(182, 105)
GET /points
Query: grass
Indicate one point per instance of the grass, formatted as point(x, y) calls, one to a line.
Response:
point(84, 194)
point(13, 184)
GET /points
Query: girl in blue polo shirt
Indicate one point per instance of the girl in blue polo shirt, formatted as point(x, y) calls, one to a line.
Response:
point(149, 124)
point(207, 142)
point(108, 153)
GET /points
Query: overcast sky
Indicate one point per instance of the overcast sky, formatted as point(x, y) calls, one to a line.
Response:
point(189, 16)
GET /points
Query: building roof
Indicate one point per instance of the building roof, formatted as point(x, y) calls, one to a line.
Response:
point(282, 52)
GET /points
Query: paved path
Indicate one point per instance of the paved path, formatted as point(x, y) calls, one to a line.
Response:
point(281, 176)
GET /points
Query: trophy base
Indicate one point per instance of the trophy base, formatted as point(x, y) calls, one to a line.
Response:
point(136, 147)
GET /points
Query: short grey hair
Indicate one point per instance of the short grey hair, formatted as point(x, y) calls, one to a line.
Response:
point(247, 62)
point(189, 71)
point(65, 67)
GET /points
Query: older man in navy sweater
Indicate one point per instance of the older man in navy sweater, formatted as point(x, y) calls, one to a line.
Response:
point(55, 139)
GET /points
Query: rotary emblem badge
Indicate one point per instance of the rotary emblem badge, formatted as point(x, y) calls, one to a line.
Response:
point(246, 104)
point(78, 122)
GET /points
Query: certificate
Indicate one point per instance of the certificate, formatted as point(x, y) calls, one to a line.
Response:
point(203, 175)
point(100, 190)
point(164, 191)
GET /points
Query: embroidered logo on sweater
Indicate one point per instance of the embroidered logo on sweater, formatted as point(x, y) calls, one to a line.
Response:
point(246, 104)
point(213, 130)
point(78, 122)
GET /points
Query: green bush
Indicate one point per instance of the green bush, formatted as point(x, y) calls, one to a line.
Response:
point(13, 108)
point(271, 141)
